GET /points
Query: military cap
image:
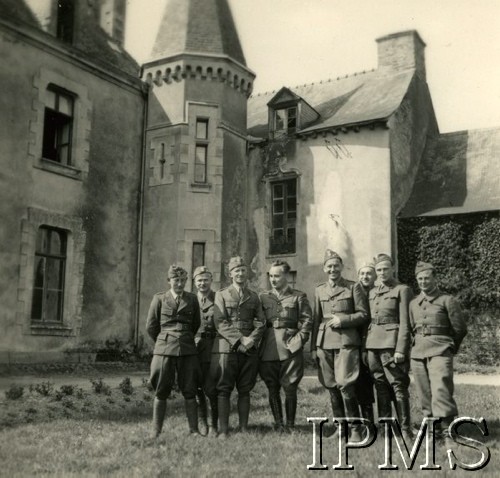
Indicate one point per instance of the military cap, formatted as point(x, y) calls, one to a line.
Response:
point(329, 254)
point(201, 270)
point(382, 258)
point(369, 264)
point(175, 271)
point(236, 261)
point(423, 266)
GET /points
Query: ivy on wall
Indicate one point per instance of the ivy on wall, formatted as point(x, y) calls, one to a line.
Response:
point(465, 250)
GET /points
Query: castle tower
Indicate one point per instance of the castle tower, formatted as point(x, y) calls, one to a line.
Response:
point(195, 180)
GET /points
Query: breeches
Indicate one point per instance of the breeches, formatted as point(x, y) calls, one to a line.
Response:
point(339, 368)
point(283, 373)
point(234, 369)
point(164, 369)
point(434, 383)
point(386, 372)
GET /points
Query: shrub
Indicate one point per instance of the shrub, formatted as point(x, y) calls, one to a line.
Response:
point(15, 392)
point(44, 388)
point(126, 386)
point(100, 387)
point(67, 389)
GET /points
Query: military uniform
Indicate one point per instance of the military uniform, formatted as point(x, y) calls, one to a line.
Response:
point(289, 322)
point(364, 384)
point(438, 328)
point(240, 323)
point(338, 348)
point(172, 323)
point(389, 332)
point(204, 343)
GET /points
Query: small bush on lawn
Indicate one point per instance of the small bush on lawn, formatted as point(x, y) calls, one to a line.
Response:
point(126, 386)
point(44, 389)
point(15, 392)
point(100, 387)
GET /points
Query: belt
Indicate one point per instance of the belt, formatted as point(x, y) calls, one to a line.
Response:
point(208, 335)
point(178, 327)
point(433, 330)
point(282, 324)
point(384, 320)
point(243, 325)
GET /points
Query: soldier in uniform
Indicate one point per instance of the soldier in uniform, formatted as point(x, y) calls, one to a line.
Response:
point(173, 320)
point(204, 342)
point(388, 342)
point(289, 321)
point(240, 323)
point(340, 309)
point(438, 328)
point(364, 384)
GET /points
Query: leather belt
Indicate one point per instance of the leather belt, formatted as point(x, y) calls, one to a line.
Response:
point(208, 335)
point(384, 320)
point(243, 325)
point(433, 330)
point(179, 327)
point(282, 324)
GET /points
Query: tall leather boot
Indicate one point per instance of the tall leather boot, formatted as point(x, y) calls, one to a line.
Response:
point(213, 416)
point(277, 410)
point(159, 411)
point(192, 415)
point(290, 410)
point(403, 409)
point(337, 404)
point(223, 408)
point(243, 411)
point(352, 410)
point(202, 412)
point(383, 400)
point(367, 411)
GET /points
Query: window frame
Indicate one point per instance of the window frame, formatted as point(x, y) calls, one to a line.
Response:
point(194, 265)
point(202, 144)
point(61, 260)
point(281, 212)
point(285, 111)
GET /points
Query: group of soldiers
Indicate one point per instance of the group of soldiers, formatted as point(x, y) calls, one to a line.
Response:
point(364, 336)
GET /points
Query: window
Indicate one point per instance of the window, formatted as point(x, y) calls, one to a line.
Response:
point(198, 257)
point(65, 15)
point(285, 120)
point(48, 282)
point(58, 125)
point(201, 152)
point(283, 216)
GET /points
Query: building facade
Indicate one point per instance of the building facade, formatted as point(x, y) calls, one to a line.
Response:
point(108, 177)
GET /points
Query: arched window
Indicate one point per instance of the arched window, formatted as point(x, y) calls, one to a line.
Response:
point(48, 281)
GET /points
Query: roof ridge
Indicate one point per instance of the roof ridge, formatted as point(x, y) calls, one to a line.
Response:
point(329, 80)
point(474, 130)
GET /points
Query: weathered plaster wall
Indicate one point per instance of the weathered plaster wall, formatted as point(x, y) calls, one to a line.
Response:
point(342, 205)
point(99, 201)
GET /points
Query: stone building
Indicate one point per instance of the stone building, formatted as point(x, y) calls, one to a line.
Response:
point(107, 178)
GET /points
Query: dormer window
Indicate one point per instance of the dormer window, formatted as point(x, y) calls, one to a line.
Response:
point(285, 120)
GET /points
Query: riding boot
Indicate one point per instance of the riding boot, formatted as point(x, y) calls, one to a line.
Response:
point(352, 411)
point(159, 411)
point(212, 417)
point(337, 404)
point(243, 411)
point(223, 408)
point(367, 411)
point(403, 409)
point(277, 410)
point(290, 410)
point(202, 412)
point(192, 415)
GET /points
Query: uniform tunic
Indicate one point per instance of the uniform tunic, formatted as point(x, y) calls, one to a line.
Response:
point(389, 332)
point(173, 328)
point(235, 319)
point(205, 340)
point(289, 323)
point(438, 328)
point(338, 348)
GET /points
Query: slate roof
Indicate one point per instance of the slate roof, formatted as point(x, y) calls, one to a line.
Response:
point(197, 26)
point(459, 173)
point(354, 99)
point(92, 41)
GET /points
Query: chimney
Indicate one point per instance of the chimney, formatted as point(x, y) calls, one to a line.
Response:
point(401, 51)
point(112, 19)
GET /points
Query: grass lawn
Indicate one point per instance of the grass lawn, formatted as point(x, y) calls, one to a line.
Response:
point(79, 432)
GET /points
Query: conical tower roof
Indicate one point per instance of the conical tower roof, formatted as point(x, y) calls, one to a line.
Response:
point(197, 26)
